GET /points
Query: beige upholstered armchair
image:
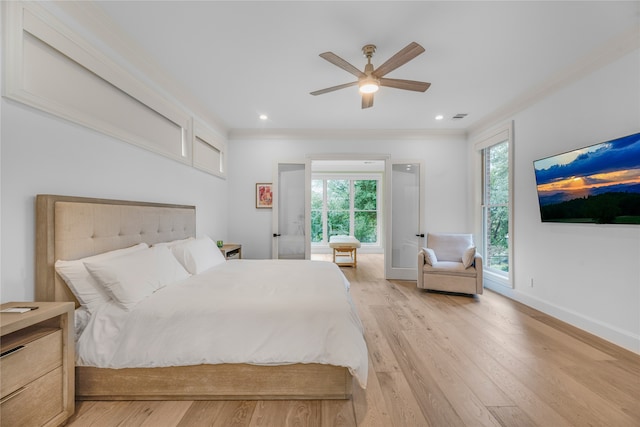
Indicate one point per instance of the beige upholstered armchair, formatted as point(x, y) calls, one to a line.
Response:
point(450, 263)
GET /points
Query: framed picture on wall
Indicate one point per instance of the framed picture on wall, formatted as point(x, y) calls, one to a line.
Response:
point(264, 196)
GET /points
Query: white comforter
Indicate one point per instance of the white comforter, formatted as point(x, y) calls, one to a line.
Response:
point(264, 312)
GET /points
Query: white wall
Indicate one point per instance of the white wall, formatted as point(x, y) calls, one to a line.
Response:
point(42, 154)
point(253, 160)
point(587, 275)
point(1, 103)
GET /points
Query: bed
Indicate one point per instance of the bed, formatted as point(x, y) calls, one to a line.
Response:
point(72, 228)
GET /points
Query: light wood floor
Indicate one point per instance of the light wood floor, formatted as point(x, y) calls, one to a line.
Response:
point(437, 360)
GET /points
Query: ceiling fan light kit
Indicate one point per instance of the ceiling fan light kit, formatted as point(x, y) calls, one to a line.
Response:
point(371, 79)
point(369, 85)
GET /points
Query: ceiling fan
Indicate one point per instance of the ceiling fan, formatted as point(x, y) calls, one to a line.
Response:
point(370, 80)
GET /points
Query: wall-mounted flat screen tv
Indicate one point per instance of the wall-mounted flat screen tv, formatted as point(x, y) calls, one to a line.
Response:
point(598, 184)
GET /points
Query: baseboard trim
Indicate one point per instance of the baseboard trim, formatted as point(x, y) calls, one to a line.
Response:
point(600, 329)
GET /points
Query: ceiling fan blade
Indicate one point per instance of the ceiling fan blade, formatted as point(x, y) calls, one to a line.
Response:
point(405, 55)
point(336, 60)
point(367, 100)
point(405, 84)
point(332, 88)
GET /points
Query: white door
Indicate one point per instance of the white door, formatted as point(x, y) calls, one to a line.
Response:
point(404, 216)
point(291, 211)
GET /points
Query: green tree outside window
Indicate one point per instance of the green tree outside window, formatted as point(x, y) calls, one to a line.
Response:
point(497, 206)
point(350, 207)
point(366, 210)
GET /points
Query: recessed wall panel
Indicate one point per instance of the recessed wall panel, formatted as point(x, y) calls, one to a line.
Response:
point(206, 156)
point(75, 91)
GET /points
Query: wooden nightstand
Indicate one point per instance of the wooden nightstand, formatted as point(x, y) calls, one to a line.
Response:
point(231, 251)
point(37, 364)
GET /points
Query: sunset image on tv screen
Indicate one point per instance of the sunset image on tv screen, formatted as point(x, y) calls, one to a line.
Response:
point(596, 184)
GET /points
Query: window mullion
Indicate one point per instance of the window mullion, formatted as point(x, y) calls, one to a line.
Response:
point(325, 227)
point(352, 222)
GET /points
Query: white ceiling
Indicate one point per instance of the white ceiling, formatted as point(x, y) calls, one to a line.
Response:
point(242, 59)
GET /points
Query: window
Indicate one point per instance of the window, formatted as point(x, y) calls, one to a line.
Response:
point(496, 207)
point(338, 207)
point(496, 202)
point(345, 205)
point(365, 210)
point(317, 208)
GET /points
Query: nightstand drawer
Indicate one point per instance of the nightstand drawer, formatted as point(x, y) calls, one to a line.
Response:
point(32, 359)
point(34, 404)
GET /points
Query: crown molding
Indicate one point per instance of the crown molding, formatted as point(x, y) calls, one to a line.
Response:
point(342, 134)
point(96, 21)
point(615, 48)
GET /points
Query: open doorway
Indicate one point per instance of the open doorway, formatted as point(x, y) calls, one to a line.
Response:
point(347, 198)
point(376, 200)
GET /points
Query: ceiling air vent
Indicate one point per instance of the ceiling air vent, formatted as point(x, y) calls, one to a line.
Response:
point(460, 116)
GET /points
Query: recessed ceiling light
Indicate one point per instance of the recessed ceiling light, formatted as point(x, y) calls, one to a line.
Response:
point(263, 117)
point(439, 117)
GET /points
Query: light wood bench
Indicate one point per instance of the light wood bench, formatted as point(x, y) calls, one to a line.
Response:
point(345, 250)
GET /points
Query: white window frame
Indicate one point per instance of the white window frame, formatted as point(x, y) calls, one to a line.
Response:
point(351, 177)
point(497, 135)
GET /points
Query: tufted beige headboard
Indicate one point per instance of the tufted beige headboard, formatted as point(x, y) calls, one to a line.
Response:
point(75, 227)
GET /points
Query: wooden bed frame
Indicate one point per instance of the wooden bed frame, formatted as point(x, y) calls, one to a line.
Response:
point(75, 227)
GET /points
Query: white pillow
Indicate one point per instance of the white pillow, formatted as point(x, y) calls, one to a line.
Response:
point(430, 256)
point(198, 255)
point(468, 256)
point(88, 292)
point(133, 277)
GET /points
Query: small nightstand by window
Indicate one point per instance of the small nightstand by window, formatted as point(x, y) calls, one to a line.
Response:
point(231, 251)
